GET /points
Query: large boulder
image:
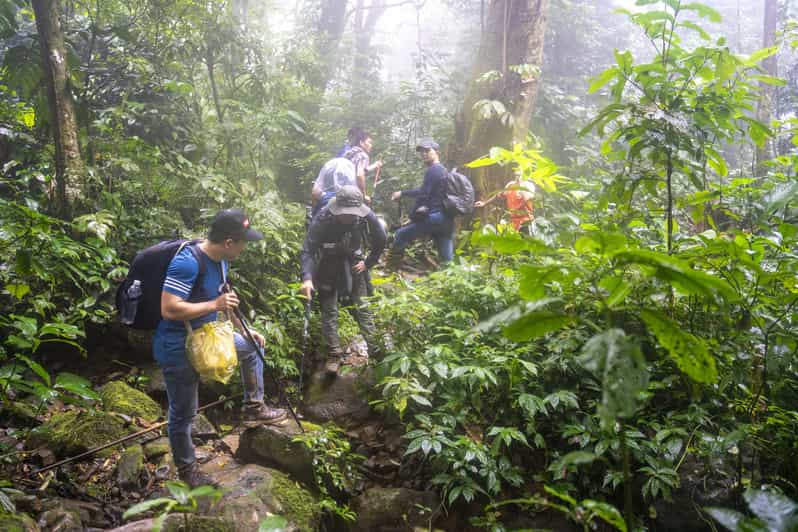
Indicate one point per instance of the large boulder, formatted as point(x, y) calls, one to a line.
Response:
point(73, 432)
point(393, 510)
point(119, 397)
point(274, 445)
point(252, 493)
point(342, 398)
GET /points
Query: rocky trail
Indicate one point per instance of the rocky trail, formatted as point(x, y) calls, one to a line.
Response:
point(263, 471)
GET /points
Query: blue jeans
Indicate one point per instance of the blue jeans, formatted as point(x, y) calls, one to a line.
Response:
point(437, 225)
point(182, 383)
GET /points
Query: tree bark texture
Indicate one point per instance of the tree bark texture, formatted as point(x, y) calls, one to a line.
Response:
point(514, 35)
point(329, 33)
point(767, 94)
point(69, 167)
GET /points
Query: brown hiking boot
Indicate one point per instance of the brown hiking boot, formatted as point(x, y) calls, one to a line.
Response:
point(260, 414)
point(195, 478)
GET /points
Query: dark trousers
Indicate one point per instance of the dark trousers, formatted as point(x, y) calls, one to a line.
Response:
point(328, 299)
point(182, 383)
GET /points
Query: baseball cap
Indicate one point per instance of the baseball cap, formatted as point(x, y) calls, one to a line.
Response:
point(427, 144)
point(232, 223)
point(348, 200)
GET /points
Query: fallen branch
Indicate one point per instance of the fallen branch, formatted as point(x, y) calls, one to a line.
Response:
point(121, 440)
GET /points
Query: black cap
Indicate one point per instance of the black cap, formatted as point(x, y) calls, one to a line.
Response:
point(427, 144)
point(232, 223)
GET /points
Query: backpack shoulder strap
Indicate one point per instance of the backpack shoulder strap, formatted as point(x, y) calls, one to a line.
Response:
point(192, 247)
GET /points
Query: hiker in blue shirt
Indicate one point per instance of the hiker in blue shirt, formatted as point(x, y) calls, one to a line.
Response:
point(227, 238)
point(428, 216)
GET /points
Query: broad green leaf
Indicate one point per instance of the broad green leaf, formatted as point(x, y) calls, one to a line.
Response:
point(77, 385)
point(179, 491)
point(532, 280)
point(17, 290)
point(617, 361)
point(735, 521)
point(145, 506)
point(600, 242)
point(761, 54)
point(695, 27)
point(769, 80)
point(602, 79)
point(36, 368)
point(774, 508)
point(508, 243)
point(689, 352)
point(482, 161)
point(703, 11)
point(679, 274)
point(606, 512)
point(617, 289)
point(716, 161)
point(536, 324)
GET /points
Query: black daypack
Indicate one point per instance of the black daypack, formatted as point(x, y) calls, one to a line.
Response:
point(138, 298)
point(459, 194)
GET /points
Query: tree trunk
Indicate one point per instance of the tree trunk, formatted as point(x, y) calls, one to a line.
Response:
point(69, 169)
point(513, 36)
point(767, 94)
point(330, 30)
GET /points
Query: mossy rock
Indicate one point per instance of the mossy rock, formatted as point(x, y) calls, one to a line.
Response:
point(393, 509)
point(156, 449)
point(130, 467)
point(17, 523)
point(119, 397)
point(73, 432)
point(274, 445)
point(252, 493)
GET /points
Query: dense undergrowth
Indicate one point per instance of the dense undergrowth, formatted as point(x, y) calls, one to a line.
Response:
point(640, 342)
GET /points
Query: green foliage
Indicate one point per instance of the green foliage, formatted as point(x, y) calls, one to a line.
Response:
point(183, 500)
point(334, 467)
point(773, 510)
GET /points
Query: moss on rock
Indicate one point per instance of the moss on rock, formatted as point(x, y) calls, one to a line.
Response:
point(130, 467)
point(17, 523)
point(75, 432)
point(301, 508)
point(119, 397)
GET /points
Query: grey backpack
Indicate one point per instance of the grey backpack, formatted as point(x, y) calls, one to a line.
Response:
point(459, 196)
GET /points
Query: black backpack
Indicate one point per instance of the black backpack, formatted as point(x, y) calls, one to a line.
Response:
point(138, 298)
point(459, 194)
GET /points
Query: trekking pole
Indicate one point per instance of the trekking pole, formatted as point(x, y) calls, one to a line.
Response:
point(259, 350)
point(376, 180)
point(305, 338)
point(123, 439)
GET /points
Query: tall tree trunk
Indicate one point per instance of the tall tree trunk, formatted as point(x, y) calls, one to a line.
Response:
point(363, 74)
point(329, 32)
point(767, 94)
point(69, 169)
point(513, 35)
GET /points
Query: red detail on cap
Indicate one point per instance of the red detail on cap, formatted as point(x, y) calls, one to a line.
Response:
point(245, 223)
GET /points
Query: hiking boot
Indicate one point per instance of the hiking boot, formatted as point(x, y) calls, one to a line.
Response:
point(195, 478)
point(260, 414)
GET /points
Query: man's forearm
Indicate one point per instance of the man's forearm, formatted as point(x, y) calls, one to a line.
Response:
point(181, 310)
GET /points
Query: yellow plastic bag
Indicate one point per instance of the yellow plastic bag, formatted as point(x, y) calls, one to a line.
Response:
point(211, 350)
